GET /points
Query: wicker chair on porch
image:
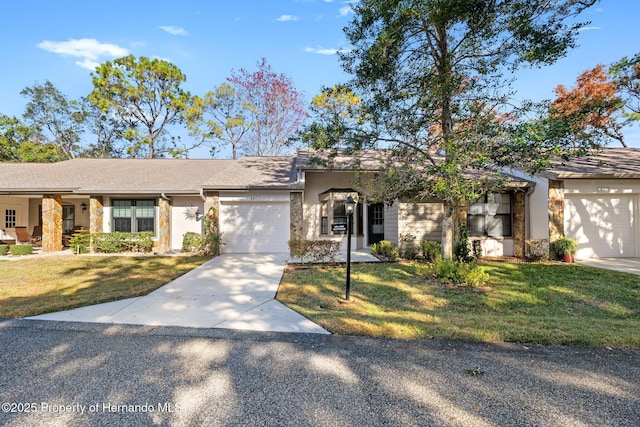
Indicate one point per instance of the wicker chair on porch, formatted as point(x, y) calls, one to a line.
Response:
point(22, 235)
point(36, 236)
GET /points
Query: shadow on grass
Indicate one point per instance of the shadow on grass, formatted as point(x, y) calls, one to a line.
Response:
point(38, 286)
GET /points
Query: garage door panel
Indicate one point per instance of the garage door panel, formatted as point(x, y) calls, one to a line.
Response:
point(249, 227)
point(604, 226)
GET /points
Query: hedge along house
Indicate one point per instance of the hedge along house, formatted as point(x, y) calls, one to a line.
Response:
point(498, 221)
point(167, 197)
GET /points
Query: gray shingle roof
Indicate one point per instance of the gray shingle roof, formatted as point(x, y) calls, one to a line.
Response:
point(606, 163)
point(177, 176)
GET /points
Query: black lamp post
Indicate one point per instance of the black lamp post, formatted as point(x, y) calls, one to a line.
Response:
point(350, 205)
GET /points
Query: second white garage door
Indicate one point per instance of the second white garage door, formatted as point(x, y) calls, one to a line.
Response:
point(254, 227)
point(604, 226)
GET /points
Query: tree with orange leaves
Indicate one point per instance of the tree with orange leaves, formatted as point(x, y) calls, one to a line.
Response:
point(591, 107)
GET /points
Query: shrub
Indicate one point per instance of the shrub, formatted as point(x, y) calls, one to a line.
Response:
point(460, 273)
point(117, 242)
point(385, 249)
point(21, 249)
point(316, 250)
point(4, 249)
point(537, 249)
point(80, 242)
point(192, 242)
point(431, 251)
point(565, 245)
point(409, 252)
point(462, 251)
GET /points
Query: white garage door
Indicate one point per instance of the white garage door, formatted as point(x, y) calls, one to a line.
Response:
point(254, 227)
point(604, 226)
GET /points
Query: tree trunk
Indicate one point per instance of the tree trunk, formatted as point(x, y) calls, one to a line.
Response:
point(447, 231)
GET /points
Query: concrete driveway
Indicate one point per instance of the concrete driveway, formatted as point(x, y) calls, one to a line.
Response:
point(625, 265)
point(234, 291)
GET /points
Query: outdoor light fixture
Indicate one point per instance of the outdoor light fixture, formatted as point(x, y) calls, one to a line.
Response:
point(350, 205)
point(83, 206)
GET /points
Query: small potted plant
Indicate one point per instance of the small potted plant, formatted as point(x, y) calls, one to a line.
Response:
point(565, 248)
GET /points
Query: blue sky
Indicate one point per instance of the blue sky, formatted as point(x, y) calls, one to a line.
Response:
point(62, 41)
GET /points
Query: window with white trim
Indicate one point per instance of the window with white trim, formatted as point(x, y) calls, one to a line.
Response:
point(10, 218)
point(491, 216)
point(134, 215)
point(334, 211)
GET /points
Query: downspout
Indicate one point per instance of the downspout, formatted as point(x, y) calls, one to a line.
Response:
point(204, 199)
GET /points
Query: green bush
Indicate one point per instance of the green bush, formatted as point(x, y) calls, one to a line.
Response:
point(431, 251)
point(462, 251)
point(21, 249)
point(460, 273)
point(80, 242)
point(192, 242)
point(409, 252)
point(565, 245)
point(4, 249)
point(117, 242)
point(385, 249)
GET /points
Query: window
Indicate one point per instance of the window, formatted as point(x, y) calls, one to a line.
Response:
point(324, 218)
point(333, 211)
point(10, 218)
point(68, 219)
point(491, 216)
point(134, 215)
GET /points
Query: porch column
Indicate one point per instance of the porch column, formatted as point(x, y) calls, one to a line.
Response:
point(164, 234)
point(518, 224)
point(556, 212)
point(211, 201)
point(460, 218)
point(96, 214)
point(295, 216)
point(51, 223)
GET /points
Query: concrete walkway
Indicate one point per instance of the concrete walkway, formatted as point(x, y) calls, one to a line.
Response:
point(623, 265)
point(230, 291)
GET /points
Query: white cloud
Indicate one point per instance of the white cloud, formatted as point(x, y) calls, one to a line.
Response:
point(287, 18)
point(90, 51)
point(345, 10)
point(325, 51)
point(588, 28)
point(176, 31)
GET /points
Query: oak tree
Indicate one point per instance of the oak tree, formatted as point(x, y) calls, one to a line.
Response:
point(435, 79)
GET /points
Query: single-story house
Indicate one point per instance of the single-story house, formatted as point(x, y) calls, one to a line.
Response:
point(263, 202)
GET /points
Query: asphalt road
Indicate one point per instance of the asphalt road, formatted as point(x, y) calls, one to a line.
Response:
point(61, 373)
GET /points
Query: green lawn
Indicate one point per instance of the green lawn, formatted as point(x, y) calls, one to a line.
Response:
point(37, 285)
point(529, 303)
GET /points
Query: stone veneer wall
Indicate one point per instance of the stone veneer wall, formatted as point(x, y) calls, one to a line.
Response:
point(556, 212)
point(164, 232)
point(519, 229)
point(212, 200)
point(51, 223)
point(295, 216)
point(96, 214)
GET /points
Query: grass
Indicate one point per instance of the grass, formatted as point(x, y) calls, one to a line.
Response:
point(529, 303)
point(38, 285)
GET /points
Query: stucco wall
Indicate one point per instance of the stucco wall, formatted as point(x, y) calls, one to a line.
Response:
point(180, 223)
point(391, 223)
point(21, 206)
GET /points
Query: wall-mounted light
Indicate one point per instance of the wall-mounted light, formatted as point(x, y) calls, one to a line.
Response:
point(83, 206)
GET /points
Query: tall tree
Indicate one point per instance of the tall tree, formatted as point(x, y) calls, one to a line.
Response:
point(57, 118)
point(21, 143)
point(626, 74)
point(434, 75)
point(108, 130)
point(591, 106)
point(337, 115)
point(221, 115)
point(146, 94)
point(276, 108)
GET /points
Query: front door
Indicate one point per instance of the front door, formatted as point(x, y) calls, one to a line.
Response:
point(375, 215)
